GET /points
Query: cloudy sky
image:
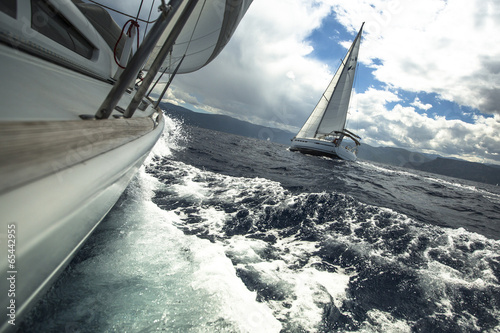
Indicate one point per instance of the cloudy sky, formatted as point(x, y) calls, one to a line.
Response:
point(428, 80)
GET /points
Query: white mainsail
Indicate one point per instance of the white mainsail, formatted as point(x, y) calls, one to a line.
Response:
point(329, 115)
point(204, 35)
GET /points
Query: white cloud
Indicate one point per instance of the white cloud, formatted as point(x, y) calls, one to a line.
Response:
point(267, 74)
point(404, 127)
point(418, 104)
point(446, 47)
point(264, 74)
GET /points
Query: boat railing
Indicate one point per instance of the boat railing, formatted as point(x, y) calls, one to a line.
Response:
point(130, 72)
point(353, 149)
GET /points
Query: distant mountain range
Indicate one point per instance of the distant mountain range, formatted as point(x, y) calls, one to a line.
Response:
point(478, 172)
point(227, 124)
point(460, 169)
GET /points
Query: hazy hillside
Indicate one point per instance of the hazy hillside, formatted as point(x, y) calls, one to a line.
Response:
point(389, 155)
point(227, 124)
point(460, 169)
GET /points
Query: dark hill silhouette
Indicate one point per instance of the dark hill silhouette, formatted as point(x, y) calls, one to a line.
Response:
point(460, 169)
point(227, 124)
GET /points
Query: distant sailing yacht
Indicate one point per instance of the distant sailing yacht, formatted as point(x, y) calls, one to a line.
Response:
point(324, 130)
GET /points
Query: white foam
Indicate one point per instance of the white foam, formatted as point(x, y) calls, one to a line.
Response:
point(381, 321)
point(191, 189)
point(169, 140)
point(148, 275)
point(245, 249)
point(307, 289)
point(217, 276)
point(386, 170)
point(179, 281)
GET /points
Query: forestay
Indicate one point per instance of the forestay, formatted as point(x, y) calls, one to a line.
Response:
point(204, 35)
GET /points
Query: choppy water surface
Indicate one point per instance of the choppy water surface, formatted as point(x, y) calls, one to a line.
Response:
point(220, 233)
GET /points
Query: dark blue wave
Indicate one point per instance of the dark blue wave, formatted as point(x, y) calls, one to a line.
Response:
point(382, 225)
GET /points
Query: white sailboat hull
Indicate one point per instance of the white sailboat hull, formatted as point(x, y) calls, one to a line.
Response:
point(60, 175)
point(54, 215)
point(322, 148)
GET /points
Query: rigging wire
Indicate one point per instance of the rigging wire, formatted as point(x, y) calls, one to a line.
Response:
point(149, 17)
point(139, 11)
point(185, 52)
point(120, 12)
point(195, 26)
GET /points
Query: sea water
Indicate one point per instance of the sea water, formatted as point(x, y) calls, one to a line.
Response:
point(221, 233)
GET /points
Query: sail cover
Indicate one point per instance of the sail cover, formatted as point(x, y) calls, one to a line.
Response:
point(330, 113)
point(206, 32)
